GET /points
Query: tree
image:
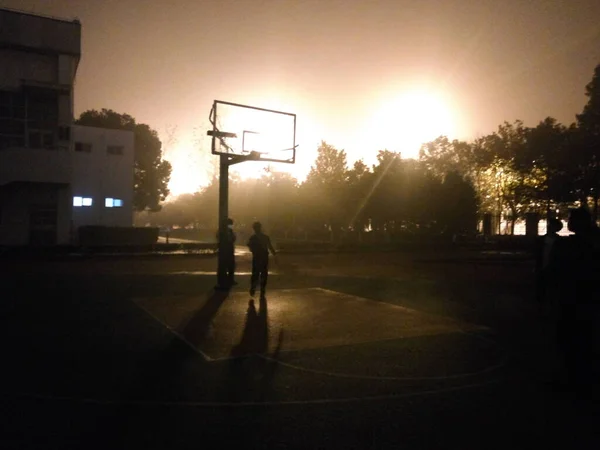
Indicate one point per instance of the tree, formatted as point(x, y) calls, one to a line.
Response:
point(151, 172)
point(588, 142)
point(356, 198)
point(282, 201)
point(458, 207)
point(500, 187)
point(442, 156)
point(324, 187)
point(419, 196)
point(544, 165)
point(383, 205)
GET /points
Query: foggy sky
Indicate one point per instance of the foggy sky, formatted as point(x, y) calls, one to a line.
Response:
point(331, 62)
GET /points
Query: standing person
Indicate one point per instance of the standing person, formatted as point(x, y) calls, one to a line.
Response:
point(578, 316)
point(227, 246)
point(260, 245)
point(546, 260)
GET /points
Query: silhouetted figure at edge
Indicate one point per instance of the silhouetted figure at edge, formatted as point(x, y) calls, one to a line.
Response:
point(578, 302)
point(227, 246)
point(546, 261)
point(260, 245)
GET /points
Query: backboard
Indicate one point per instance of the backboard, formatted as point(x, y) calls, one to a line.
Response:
point(258, 133)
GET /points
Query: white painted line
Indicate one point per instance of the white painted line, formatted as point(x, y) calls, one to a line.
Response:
point(176, 334)
point(212, 272)
point(386, 378)
point(199, 404)
point(404, 308)
point(350, 344)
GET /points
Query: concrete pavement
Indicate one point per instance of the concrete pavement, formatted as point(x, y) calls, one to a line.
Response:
point(144, 355)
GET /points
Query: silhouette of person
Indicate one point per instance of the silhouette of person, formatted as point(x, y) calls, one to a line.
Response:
point(579, 297)
point(545, 267)
point(227, 246)
point(260, 246)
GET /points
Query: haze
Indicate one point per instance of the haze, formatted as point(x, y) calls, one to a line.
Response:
point(342, 66)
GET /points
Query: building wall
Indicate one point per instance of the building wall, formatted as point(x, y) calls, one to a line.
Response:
point(43, 33)
point(41, 170)
point(35, 213)
point(18, 65)
point(100, 175)
point(38, 63)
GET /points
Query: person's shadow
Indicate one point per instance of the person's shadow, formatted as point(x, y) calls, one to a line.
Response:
point(252, 370)
point(255, 337)
point(162, 371)
point(197, 328)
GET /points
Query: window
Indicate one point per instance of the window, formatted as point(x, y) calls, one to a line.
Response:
point(113, 202)
point(41, 216)
point(64, 133)
point(114, 149)
point(30, 119)
point(83, 147)
point(42, 118)
point(82, 201)
point(12, 119)
point(47, 140)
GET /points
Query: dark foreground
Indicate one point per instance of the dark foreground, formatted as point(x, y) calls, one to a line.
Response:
point(353, 351)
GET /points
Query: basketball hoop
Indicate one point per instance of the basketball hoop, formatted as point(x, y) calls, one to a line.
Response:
point(254, 134)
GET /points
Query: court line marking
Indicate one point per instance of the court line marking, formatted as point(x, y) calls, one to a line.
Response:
point(336, 293)
point(503, 362)
point(207, 272)
point(210, 359)
point(175, 333)
point(89, 400)
point(200, 404)
point(386, 378)
point(411, 310)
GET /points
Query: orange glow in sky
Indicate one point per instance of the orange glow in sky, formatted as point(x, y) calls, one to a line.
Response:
point(400, 122)
point(363, 76)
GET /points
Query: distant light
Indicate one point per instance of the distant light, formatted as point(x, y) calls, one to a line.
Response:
point(113, 202)
point(82, 201)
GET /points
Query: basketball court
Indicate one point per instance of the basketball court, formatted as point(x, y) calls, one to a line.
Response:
point(302, 326)
point(142, 353)
point(170, 358)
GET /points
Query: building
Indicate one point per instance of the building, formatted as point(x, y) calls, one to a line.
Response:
point(102, 177)
point(42, 176)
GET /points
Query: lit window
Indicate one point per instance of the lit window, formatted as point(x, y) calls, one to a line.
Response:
point(113, 202)
point(82, 201)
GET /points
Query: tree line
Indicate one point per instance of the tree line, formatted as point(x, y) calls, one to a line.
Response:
point(392, 195)
point(508, 173)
